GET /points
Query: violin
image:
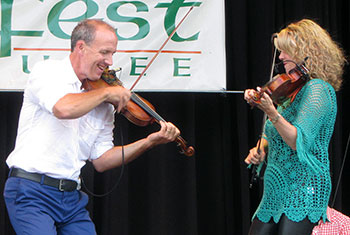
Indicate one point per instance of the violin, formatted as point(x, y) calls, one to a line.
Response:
point(284, 86)
point(280, 88)
point(138, 110)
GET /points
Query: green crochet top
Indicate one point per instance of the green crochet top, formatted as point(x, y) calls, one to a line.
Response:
point(297, 183)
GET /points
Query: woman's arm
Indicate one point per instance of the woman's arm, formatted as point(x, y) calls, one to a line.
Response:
point(287, 131)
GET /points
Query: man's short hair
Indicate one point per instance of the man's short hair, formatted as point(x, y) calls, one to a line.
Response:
point(85, 30)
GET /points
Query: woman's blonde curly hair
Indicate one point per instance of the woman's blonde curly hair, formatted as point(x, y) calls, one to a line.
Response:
point(306, 39)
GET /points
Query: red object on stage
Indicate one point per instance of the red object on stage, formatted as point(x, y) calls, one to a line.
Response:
point(338, 224)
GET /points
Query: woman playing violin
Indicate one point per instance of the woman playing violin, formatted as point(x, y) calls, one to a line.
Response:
point(297, 183)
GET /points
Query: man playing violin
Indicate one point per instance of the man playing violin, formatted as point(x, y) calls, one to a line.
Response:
point(61, 126)
point(297, 183)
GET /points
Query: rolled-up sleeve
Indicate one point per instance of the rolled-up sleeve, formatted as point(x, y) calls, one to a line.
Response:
point(45, 87)
point(104, 140)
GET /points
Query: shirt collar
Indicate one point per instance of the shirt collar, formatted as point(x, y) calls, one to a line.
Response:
point(72, 77)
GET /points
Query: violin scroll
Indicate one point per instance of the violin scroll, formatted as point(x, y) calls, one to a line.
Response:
point(188, 151)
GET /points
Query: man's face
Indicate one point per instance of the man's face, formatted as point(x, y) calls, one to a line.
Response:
point(98, 55)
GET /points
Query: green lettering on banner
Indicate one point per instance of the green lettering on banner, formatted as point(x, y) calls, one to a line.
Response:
point(25, 63)
point(142, 24)
point(53, 18)
point(177, 67)
point(134, 65)
point(5, 31)
point(170, 17)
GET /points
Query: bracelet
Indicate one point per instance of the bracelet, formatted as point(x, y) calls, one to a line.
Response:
point(275, 119)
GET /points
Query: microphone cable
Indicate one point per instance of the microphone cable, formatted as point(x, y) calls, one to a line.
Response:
point(120, 176)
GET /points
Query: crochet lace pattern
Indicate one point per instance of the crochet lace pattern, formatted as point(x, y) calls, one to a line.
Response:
point(297, 183)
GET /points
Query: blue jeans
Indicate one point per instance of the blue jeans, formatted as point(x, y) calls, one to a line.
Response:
point(39, 209)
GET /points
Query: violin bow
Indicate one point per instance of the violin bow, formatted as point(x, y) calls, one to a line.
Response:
point(188, 151)
point(160, 49)
point(256, 169)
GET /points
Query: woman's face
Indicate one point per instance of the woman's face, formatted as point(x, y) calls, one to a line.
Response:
point(287, 60)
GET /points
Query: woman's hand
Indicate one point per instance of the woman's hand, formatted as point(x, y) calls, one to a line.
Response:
point(287, 131)
point(254, 157)
point(249, 96)
point(265, 102)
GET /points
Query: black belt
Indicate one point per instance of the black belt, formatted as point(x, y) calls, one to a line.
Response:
point(60, 184)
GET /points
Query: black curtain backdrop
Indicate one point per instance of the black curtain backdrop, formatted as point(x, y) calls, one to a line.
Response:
point(164, 192)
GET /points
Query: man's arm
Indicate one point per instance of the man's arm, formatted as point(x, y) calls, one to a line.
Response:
point(113, 157)
point(76, 105)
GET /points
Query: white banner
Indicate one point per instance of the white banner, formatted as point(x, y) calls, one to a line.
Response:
point(193, 59)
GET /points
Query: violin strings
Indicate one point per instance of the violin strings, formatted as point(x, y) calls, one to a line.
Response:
point(145, 107)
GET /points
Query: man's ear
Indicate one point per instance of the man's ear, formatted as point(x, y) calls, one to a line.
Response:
point(80, 46)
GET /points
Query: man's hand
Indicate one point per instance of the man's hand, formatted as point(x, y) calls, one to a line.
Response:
point(118, 96)
point(167, 133)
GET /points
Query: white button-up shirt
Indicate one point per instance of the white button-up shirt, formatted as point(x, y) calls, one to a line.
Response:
point(52, 146)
